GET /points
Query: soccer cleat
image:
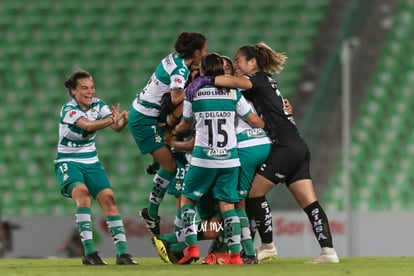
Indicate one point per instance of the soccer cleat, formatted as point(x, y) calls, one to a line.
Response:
point(125, 259)
point(152, 224)
point(328, 256)
point(250, 259)
point(210, 259)
point(93, 259)
point(223, 258)
point(162, 248)
point(235, 259)
point(175, 256)
point(191, 254)
point(266, 251)
point(220, 258)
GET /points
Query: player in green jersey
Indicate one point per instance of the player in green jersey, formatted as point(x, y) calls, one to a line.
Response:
point(170, 76)
point(80, 173)
point(214, 158)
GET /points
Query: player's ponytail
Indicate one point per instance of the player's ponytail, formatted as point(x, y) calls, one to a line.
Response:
point(272, 61)
point(267, 59)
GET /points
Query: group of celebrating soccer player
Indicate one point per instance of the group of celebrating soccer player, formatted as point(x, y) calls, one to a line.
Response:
point(221, 136)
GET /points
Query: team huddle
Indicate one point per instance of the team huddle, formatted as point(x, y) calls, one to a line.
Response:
point(221, 136)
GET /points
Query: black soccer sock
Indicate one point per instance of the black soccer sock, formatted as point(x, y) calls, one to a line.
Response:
point(320, 224)
point(250, 217)
point(262, 216)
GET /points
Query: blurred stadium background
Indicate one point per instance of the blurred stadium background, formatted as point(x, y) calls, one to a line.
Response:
point(120, 43)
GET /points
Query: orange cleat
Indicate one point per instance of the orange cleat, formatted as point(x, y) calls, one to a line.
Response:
point(191, 254)
point(223, 258)
point(210, 259)
point(235, 259)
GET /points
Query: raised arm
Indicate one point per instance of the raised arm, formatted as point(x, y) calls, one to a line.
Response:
point(233, 82)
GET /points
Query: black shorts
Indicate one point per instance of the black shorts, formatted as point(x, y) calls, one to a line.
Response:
point(287, 162)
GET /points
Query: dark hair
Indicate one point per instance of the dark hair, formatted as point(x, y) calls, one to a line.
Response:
point(267, 59)
point(188, 43)
point(229, 61)
point(212, 65)
point(72, 81)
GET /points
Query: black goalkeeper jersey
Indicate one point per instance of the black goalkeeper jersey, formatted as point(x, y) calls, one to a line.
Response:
point(268, 102)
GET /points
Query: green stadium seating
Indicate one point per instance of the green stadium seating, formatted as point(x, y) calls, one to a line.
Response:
point(120, 43)
point(382, 140)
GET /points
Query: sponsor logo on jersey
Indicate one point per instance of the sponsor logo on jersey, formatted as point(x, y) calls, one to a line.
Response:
point(178, 80)
point(219, 153)
point(205, 92)
point(254, 132)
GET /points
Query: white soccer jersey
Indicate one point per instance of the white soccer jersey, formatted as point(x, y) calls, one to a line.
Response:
point(171, 73)
point(214, 111)
point(248, 136)
point(76, 144)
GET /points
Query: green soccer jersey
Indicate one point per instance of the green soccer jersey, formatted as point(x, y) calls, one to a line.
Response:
point(76, 144)
point(248, 136)
point(171, 73)
point(214, 111)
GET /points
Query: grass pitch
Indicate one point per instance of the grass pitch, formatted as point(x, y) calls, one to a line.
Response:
point(360, 266)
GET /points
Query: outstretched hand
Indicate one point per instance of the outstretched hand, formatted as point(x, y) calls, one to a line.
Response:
point(120, 118)
point(115, 112)
point(196, 84)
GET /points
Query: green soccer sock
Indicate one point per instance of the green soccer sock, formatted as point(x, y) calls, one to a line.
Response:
point(178, 247)
point(178, 225)
point(175, 239)
point(169, 237)
point(117, 230)
point(246, 240)
point(189, 224)
point(160, 185)
point(84, 222)
point(232, 230)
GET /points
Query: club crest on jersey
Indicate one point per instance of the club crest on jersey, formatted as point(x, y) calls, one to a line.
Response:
point(94, 113)
point(72, 113)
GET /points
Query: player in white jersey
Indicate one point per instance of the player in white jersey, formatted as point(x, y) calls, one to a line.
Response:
point(78, 169)
point(253, 147)
point(214, 158)
point(289, 158)
point(170, 76)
